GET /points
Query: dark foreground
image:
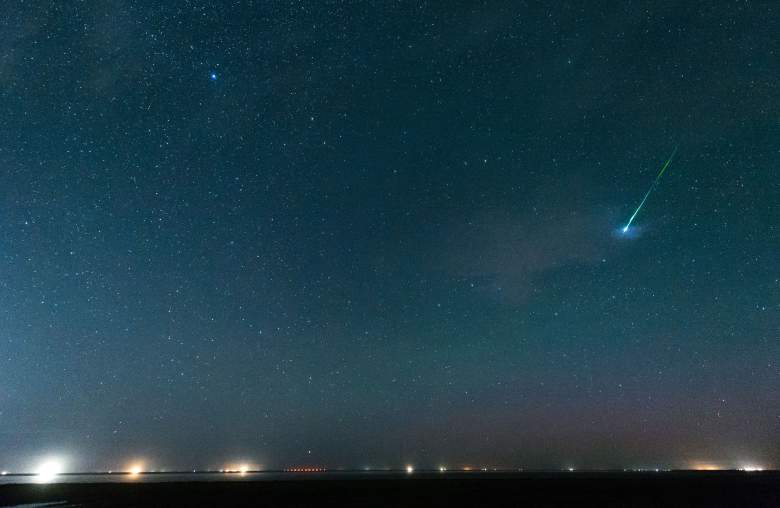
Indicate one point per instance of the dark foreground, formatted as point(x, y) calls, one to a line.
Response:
point(572, 489)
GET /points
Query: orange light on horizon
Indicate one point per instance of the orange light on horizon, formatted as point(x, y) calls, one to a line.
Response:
point(134, 468)
point(242, 468)
point(706, 466)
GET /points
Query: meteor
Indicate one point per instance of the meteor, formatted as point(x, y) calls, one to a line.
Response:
point(650, 190)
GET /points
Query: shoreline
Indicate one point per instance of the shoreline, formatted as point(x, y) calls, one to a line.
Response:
point(722, 488)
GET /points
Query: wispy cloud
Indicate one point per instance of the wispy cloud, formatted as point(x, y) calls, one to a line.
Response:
point(509, 254)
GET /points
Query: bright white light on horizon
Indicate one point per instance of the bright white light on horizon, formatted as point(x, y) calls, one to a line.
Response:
point(136, 469)
point(3, 473)
point(442, 469)
point(241, 468)
point(49, 470)
point(409, 469)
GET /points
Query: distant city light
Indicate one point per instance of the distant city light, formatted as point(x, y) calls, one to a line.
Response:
point(409, 469)
point(751, 467)
point(570, 469)
point(136, 469)
point(48, 470)
point(442, 469)
point(704, 466)
point(242, 468)
point(3, 473)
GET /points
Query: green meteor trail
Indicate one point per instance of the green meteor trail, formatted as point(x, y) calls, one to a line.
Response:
point(653, 186)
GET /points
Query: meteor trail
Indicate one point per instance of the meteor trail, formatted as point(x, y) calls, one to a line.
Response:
point(653, 186)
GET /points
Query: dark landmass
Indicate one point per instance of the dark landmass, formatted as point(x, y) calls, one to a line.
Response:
point(711, 489)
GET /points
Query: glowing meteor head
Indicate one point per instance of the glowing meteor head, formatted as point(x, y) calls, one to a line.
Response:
point(629, 232)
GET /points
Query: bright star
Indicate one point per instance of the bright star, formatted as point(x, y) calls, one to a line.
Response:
point(213, 76)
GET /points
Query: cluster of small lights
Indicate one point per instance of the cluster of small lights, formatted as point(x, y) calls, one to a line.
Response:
point(50, 468)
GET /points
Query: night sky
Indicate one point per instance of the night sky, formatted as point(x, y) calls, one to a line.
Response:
point(371, 234)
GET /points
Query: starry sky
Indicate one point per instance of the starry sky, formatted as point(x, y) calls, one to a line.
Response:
point(381, 233)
